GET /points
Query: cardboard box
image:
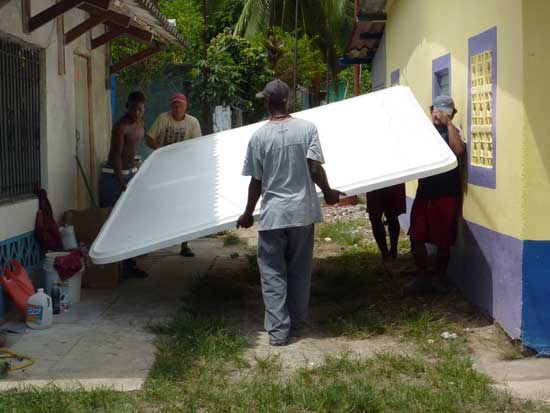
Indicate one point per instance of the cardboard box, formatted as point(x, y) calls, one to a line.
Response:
point(87, 224)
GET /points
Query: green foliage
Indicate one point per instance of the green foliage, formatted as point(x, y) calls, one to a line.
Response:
point(231, 239)
point(222, 15)
point(236, 69)
point(311, 66)
point(190, 25)
point(365, 83)
point(328, 21)
point(343, 232)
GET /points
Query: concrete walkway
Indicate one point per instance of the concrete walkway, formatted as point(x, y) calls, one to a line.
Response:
point(103, 341)
point(526, 378)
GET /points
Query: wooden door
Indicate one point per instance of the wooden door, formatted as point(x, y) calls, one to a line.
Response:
point(84, 162)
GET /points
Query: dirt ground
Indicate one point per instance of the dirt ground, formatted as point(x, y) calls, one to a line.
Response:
point(233, 285)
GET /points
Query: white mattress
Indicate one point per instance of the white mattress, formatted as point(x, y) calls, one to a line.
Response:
point(195, 188)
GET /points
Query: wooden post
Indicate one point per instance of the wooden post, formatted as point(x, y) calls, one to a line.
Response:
point(108, 68)
point(356, 68)
point(25, 14)
point(61, 68)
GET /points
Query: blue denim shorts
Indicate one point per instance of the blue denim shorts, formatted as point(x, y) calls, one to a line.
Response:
point(109, 189)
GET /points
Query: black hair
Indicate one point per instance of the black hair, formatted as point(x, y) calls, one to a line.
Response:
point(279, 106)
point(135, 97)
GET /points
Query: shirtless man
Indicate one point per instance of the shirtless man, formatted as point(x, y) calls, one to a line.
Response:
point(121, 165)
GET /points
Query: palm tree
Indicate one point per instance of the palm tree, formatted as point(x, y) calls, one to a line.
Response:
point(329, 21)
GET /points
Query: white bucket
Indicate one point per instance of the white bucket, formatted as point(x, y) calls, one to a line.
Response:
point(70, 289)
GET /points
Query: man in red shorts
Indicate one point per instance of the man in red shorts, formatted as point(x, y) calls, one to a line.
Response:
point(391, 203)
point(436, 208)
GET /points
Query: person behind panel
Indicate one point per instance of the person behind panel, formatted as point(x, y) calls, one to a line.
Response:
point(172, 127)
point(436, 208)
point(121, 165)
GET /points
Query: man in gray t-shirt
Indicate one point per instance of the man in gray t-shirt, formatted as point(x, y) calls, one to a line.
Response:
point(284, 160)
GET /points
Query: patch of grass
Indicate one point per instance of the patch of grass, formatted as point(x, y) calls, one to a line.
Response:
point(190, 339)
point(230, 238)
point(348, 232)
point(200, 365)
point(54, 400)
point(271, 364)
point(198, 357)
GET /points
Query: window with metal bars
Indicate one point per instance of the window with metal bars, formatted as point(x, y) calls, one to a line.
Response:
point(19, 120)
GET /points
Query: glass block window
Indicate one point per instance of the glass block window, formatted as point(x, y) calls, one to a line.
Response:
point(481, 68)
point(443, 82)
point(394, 77)
point(482, 90)
point(441, 76)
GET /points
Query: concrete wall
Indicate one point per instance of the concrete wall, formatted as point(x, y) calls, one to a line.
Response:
point(379, 67)
point(57, 112)
point(501, 259)
point(417, 32)
point(536, 190)
point(488, 259)
point(536, 161)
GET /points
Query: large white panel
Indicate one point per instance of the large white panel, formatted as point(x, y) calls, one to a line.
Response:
point(195, 188)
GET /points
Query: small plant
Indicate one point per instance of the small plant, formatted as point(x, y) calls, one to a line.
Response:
point(231, 239)
point(343, 232)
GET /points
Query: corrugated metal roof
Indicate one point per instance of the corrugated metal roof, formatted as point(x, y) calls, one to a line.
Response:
point(145, 13)
point(358, 48)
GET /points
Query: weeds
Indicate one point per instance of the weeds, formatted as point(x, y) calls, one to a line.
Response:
point(230, 238)
point(342, 232)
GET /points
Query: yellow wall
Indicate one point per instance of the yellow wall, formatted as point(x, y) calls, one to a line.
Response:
point(536, 59)
point(421, 30)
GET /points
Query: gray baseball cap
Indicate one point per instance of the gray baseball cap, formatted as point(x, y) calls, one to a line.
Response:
point(444, 103)
point(277, 91)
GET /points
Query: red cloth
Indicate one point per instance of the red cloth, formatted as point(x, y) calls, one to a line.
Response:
point(435, 220)
point(68, 265)
point(389, 201)
point(45, 227)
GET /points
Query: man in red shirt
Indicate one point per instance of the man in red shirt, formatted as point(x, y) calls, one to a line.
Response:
point(436, 208)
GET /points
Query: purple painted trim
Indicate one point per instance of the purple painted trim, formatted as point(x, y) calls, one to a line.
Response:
point(477, 44)
point(395, 77)
point(488, 268)
point(438, 66)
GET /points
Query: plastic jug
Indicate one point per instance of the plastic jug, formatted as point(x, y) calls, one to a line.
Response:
point(39, 310)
